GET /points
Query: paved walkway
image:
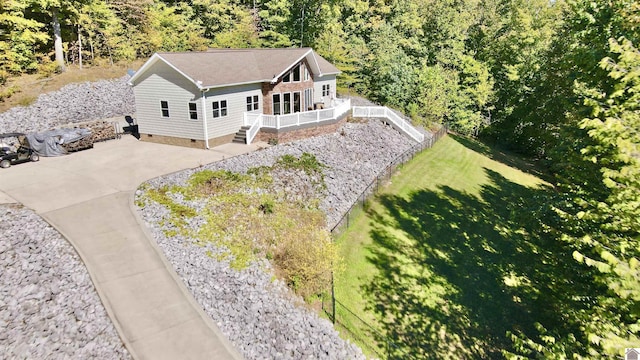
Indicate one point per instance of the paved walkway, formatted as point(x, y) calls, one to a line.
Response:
point(88, 197)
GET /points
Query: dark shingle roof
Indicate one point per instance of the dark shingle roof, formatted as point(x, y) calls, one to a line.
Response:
point(221, 67)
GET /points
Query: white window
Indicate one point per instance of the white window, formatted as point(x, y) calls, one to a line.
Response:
point(286, 103)
point(219, 108)
point(296, 101)
point(253, 103)
point(326, 90)
point(293, 74)
point(164, 106)
point(306, 74)
point(276, 104)
point(308, 99)
point(193, 111)
point(296, 73)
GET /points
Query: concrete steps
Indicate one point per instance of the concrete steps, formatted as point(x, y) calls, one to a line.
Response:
point(241, 135)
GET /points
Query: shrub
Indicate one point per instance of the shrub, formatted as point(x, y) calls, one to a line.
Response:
point(250, 217)
point(305, 256)
point(8, 92)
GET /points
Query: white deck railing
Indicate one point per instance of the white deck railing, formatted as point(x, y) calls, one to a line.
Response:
point(384, 112)
point(256, 120)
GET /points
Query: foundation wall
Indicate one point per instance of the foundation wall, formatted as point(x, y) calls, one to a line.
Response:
point(297, 133)
point(198, 144)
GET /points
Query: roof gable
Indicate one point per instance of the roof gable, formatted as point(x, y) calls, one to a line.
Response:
point(226, 67)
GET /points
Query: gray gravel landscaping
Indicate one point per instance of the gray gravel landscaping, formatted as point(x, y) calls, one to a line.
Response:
point(74, 103)
point(259, 315)
point(49, 308)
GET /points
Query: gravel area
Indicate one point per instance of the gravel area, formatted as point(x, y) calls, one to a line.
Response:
point(74, 103)
point(260, 316)
point(49, 308)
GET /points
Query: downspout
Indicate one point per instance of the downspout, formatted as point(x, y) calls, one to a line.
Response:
point(204, 119)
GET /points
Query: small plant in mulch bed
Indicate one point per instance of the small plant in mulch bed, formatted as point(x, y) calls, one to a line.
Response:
point(252, 218)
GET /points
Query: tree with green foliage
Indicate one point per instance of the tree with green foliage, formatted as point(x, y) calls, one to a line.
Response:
point(59, 11)
point(169, 29)
point(274, 23)
point(600, 220)
point(99, 23)
point(20, 39)
point(516, 40)
point(227, 23)
point(614, 248)
point(130, 33)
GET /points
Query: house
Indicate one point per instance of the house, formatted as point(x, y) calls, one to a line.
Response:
point(203, 99)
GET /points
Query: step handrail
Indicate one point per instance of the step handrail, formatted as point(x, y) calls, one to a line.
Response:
point(396, 120)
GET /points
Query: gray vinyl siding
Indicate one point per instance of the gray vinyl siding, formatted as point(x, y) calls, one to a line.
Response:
point(162, 83)
point(317, 88)
point(236, 97)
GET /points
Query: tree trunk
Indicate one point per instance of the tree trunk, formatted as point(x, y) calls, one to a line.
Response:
point(79, 48)
point(57, 42)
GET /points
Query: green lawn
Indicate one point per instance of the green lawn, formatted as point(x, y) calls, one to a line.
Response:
point(450, 256)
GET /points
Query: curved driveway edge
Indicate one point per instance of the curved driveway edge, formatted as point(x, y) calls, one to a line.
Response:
point(88, 198)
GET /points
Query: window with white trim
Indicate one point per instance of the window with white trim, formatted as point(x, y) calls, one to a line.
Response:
point(253, 103)
point(219, 108)
point(293, 75)
point(276, 104)
point(326, 90)
point(193, 111)
point(164, 106)
point(296, 73)
point(308, 99)
point(306, 74)
point(286, 103)
point(296, 101)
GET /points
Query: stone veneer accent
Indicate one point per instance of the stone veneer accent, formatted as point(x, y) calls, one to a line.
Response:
point(268, 89)
point(300, 132)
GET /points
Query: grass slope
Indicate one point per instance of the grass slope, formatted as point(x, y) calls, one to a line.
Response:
point(443, 263)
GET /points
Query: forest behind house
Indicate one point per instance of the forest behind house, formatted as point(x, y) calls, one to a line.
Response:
point(556, 81)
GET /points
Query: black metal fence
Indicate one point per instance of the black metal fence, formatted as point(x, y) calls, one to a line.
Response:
point(344, 318)
point(384, 177)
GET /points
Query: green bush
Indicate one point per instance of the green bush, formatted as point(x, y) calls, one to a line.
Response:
point(8, 92)
point(247, 216)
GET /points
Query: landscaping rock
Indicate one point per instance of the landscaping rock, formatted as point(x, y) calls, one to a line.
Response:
point(74, 103)
point(49, 308)
point(262, 317)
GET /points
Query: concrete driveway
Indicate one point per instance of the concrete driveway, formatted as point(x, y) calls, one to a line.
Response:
point(88, 197)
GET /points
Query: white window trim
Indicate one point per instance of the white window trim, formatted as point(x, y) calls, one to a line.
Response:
point(290, 103)
point(308, 99)
point(162, 109)
point(279, 104)
point(293, 101)
point(219, 109)
point(254, 102)
point(299, 67)
point(193, 111)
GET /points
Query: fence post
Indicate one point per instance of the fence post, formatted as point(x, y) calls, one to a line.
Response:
point(333, 300)
point(348, 216)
